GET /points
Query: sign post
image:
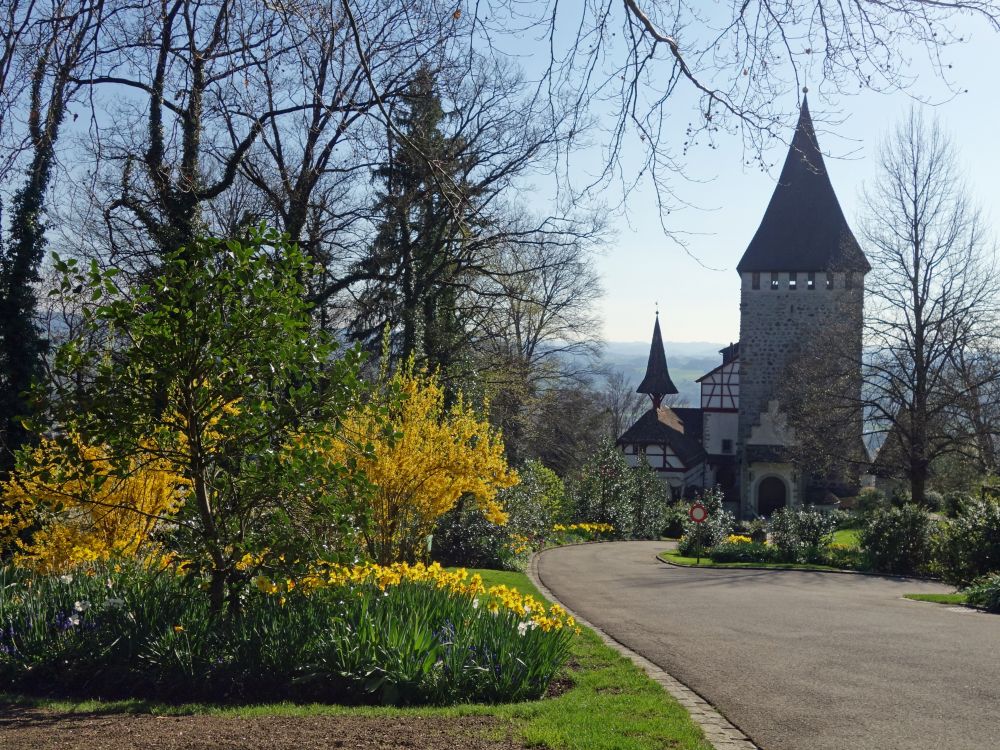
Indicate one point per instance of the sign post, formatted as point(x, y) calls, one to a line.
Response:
point(698, 514)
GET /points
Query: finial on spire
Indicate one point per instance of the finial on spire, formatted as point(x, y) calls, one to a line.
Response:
point(805, 89)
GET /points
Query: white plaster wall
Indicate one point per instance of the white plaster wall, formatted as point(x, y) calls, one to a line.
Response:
point(719, 426)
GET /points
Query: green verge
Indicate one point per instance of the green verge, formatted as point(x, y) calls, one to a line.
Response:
point(612, 704)
point(706, 562)
point(956, 598)
point(847, 537)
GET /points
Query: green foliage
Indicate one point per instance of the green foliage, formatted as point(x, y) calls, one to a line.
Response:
point(139, 632)
point(897, 540)
point(214, 367)
point(801, 533)
point(729, 552)
point(969, 544)
point(871, 499)
point(985, 593)
point(609, 491)
point(676, 515)
point(719, 524)
point(465, 537)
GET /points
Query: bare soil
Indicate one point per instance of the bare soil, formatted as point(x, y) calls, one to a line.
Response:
point(44, 729)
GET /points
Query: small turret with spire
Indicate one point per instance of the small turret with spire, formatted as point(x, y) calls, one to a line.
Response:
point(657, 382)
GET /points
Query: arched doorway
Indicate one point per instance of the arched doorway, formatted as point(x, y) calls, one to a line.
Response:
point(771, 495)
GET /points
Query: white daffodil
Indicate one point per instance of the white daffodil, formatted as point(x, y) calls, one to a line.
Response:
point(67, 579)
point(475, 604)
point(522, 628)
point(81, 606)
point(74, 620)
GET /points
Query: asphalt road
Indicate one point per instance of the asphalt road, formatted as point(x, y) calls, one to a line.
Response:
point(798, 660)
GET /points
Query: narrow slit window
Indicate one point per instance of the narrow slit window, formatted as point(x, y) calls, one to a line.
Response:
point(829, 281)
point(774, 280)
point(755, 280)
point(793, 281)
point(811, 282)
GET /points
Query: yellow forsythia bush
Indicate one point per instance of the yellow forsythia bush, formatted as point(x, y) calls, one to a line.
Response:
point(74, 519)
point(421, 463)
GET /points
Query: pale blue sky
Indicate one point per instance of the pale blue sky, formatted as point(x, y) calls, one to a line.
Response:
point(640, 266)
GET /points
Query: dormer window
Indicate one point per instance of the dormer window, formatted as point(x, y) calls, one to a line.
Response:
point(774, 280)
point(792, 282)
point(811, 281)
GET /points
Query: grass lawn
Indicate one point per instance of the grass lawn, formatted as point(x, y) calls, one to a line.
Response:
point(610, 705)
point(847, 537)
point(706, 562)
point(956, 598)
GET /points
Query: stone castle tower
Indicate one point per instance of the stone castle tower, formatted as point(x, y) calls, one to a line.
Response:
point(802, 276)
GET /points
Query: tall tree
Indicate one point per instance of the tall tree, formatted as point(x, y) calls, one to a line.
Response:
point(50, 49)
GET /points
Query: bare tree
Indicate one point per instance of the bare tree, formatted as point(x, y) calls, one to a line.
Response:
point(933, 302)
point(622, 403)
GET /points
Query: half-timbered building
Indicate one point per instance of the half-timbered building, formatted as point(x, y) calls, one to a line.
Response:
point(802, 274)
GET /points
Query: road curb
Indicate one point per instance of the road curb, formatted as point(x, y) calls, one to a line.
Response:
point(721, 733)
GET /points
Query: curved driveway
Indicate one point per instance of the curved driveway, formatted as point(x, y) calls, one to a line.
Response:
point(798, 660)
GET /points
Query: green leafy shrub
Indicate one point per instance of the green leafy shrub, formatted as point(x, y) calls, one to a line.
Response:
point(897, 540)
point(632, 500)
point(116, 632)
point(465, 537)
point(985, 593)
point(800, 534)
point(702, 536)
point(675, 516)
point(842, 556)
point(933, 500)
point(871, 499)
point(969, 544)
point(740, 551)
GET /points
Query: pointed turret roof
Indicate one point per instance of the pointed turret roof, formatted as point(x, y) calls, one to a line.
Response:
point(657, 382)
point(804, 228)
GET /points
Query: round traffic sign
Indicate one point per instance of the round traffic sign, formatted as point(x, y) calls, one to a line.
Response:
point(698, 513)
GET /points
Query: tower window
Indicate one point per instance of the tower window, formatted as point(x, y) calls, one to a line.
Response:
point(793, 281)
point(755, 280)
point(811, 281)
point(829, 281)
point(774, 280)
point(849, 280)
point(727, 446)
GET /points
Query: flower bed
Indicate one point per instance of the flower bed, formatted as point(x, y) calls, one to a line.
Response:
point(398, 634)
point(581, 532)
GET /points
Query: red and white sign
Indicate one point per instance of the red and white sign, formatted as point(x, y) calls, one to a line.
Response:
point(698, 513)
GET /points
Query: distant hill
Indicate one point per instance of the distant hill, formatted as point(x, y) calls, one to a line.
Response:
point(687, 360)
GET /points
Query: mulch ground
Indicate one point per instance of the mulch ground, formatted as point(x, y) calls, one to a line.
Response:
point(42, 729)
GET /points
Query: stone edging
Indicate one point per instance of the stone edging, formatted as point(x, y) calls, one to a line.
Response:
point(719, 731)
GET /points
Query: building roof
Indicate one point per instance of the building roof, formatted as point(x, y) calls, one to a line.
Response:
point(804, 228)
point(665, 425)
point(657, 380)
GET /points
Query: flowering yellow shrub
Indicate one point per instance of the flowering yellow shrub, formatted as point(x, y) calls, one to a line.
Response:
point(80, 520)
point(457, 582)
point(421, 462)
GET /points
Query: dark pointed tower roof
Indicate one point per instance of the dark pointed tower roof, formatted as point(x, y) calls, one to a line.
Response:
point(804, 228)
point(657, 382)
